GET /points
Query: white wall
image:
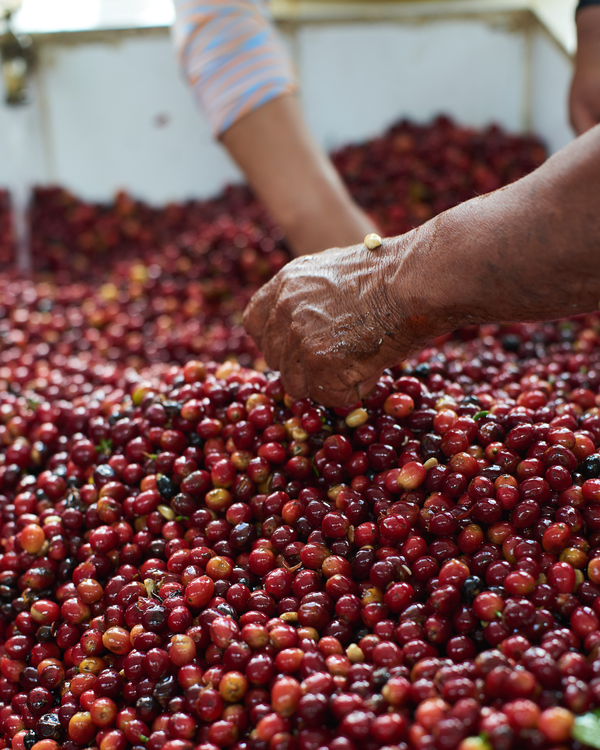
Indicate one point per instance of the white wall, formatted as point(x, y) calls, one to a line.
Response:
point(114, 113)
point(376, 73)
point(119, 115)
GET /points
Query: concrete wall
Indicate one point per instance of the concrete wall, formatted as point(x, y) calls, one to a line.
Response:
point(111, 111)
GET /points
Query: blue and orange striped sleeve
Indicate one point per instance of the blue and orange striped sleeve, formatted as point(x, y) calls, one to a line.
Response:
point(232, 57)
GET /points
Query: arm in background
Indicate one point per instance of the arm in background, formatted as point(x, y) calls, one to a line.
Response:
point(242, 76)
point(584, 97)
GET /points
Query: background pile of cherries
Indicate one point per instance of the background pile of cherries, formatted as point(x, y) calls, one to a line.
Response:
point(403, 178)
point(191, 560)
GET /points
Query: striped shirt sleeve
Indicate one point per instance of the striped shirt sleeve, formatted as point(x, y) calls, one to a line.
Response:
point(232, 57)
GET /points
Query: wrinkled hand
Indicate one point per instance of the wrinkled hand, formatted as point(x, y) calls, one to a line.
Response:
point(332, 322)
point(584, 97)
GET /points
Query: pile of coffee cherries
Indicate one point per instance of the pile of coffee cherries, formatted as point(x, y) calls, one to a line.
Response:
point(133, 284)
point(192, 560)
point(414, 172)
point(402, 178)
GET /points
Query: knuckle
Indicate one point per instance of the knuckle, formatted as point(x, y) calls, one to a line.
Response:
point(350, 377)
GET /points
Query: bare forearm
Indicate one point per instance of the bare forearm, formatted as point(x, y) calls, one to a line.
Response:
point(294, 178)
point(584, 97)
point(530, 251)
point(279, 157)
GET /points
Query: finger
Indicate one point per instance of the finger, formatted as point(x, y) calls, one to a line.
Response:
point(352, 394)
point(258, 310)
point(328, 383)
point(363, 389)
point(253, 320)
point(358, 381)
point(274, 336)
point(293, 375)
point(324, 389)
point(331, 396)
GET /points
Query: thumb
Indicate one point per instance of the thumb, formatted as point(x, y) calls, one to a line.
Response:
point(367, 386)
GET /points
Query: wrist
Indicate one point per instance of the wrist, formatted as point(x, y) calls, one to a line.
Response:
point(431, 292)
point(467, 267)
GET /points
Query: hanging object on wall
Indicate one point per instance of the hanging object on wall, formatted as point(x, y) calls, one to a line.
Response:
point(16, 54)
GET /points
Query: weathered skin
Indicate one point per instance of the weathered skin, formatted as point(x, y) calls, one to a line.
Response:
point(531, 251)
